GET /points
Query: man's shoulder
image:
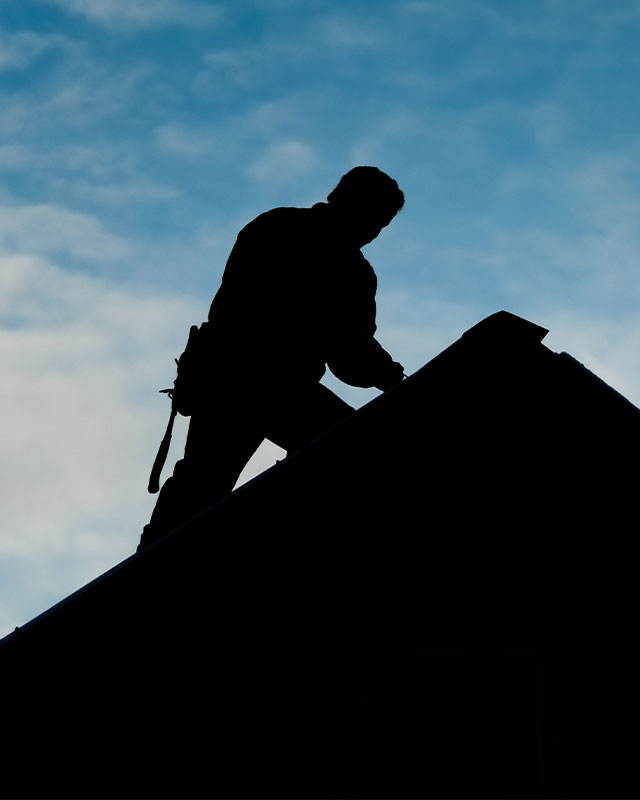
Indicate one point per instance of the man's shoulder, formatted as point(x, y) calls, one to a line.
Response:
point(281, 227)
point(284, 215)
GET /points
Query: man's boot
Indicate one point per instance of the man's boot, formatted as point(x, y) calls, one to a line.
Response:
point(171, 507)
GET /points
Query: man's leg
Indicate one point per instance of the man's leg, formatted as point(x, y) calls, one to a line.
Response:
point(303, 413)
point(219, 445)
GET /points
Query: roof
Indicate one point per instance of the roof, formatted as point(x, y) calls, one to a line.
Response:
point(477, 500)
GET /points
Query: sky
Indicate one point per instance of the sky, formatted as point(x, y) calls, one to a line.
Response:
point(137, 138)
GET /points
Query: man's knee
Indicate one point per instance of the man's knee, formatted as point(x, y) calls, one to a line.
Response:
point(305, 413)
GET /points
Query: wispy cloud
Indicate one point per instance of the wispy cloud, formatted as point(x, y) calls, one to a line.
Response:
point(238, 64)
point(45, 229)
point(510, 126)
point(284, 161)
point(73, 99)
point(607, 346)
point(85, 359)
point(15, 156)
point(18, 50)
point(123, 13)
point(420, 7)
point(351, 32)
point(184, 141)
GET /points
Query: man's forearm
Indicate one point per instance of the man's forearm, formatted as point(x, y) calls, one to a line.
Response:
point(365, 363)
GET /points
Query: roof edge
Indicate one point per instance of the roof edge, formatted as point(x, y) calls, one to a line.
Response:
point(509, 328)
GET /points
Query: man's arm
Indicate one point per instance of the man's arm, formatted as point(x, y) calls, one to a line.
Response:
point(364, 362)
point(357, 358)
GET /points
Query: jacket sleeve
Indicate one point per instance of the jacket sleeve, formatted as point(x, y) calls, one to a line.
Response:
point(367, 364)
point(356, 357)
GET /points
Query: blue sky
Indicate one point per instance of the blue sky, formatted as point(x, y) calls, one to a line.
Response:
point(137, 138)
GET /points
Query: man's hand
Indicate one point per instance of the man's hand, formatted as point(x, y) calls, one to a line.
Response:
point(392, 376)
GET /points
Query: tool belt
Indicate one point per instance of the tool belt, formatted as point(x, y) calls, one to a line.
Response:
point(184, 393)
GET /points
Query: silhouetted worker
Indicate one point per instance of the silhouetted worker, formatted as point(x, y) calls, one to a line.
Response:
point(296, 295)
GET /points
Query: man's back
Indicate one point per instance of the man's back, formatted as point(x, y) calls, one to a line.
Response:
point(292, 291)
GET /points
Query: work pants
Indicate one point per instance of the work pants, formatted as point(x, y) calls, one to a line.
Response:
point(225, 433)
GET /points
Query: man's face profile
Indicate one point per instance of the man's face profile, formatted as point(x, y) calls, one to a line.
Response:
point(368, 221)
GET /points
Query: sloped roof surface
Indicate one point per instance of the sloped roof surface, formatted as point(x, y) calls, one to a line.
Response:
point(477, 499)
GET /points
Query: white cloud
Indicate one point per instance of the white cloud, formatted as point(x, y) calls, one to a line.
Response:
point(151, 13)
point(284, 161)
point(15, 156)
point(82, 361)
point(608, 346)
point(413, 329)
point(423, 7)
point(603, 187)
point(351, 33)
point(116, 194)
point(416, 329)
point(82, 358)
point(88, 91)
point(79, 88)
point(18, 50)
point(45, 228)
point(184, 141)
point(240, 65)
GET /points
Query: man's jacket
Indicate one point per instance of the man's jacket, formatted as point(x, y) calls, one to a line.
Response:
point(295, 297)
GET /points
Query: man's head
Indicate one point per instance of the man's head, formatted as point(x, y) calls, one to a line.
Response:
point(366, 200)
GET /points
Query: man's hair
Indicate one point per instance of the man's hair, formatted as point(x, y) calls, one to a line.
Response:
point(367, 186)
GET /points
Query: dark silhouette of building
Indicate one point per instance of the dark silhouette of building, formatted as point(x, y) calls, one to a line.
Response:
point(436, 598)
